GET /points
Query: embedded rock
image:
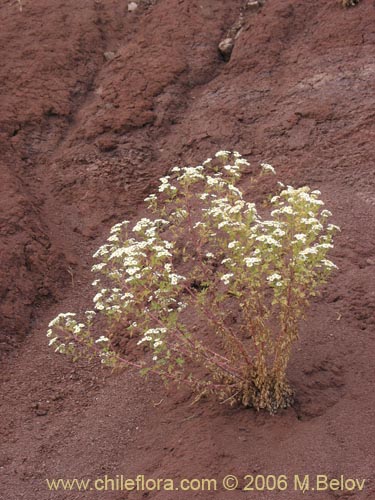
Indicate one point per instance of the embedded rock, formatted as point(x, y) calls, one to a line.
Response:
point(226, 48)
point(132, 6)
point(254, 4)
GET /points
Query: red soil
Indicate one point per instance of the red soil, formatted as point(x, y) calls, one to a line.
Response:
point(83, 140)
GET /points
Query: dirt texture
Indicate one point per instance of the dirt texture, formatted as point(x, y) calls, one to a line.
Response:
point(97, 102)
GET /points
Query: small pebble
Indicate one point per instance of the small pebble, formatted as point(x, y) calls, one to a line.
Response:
point(109, 56)
point(253, 4)
point(132, 6)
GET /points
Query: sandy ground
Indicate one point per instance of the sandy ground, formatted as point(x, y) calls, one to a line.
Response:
point(98, 102)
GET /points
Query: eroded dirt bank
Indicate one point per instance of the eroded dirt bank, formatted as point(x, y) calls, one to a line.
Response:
point(96, 104)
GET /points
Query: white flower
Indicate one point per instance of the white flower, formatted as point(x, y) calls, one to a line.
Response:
point(325, 245)
point(98, 267)
point(300, 237)
point(275, 212)
point(238, 206)
point(305, 196)
point(151, 232)
point(102, 339)
point(151, 197)
point(250, 261)
point(210, 255)
point(309, 251)
point(113, 308)
point(234, 169)
point(154, 331)
point(225, 261)
point(142, 224)
point(53, 323)
point(175, 278)
point(316, 227)
point(130, 262)
point(117, 227)
point(286, 210)
point(77, 328)
point(250, 207)
point(242, 161)
point(132, 270)
point(264, 238)
point(234, 190)
point(226, 278)
point(164, 187)
point(118, 253)
point(192, 173)
point(105, 356)
point(274, 277)
point(52, 341)
point(211, 181)
point(97, 297)
point(329, 264)
point(145, 338)
point(333, 227)
point(266, 167)
point(290, 190)
point(316, 202)
point(60, 316)
point(162, 252)
point(90, 315)
point(181, 213)
point(271, 223)
point(222, 154)
point(233, 244)
point(309, 221)
point(326, 213)
point(103, 250)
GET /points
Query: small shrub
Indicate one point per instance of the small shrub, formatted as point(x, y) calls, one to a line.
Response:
point(207, 292)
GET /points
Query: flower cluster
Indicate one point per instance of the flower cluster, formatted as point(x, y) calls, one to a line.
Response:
point(204, 247)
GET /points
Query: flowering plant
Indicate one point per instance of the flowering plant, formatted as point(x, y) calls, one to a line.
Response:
point(207, 292)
